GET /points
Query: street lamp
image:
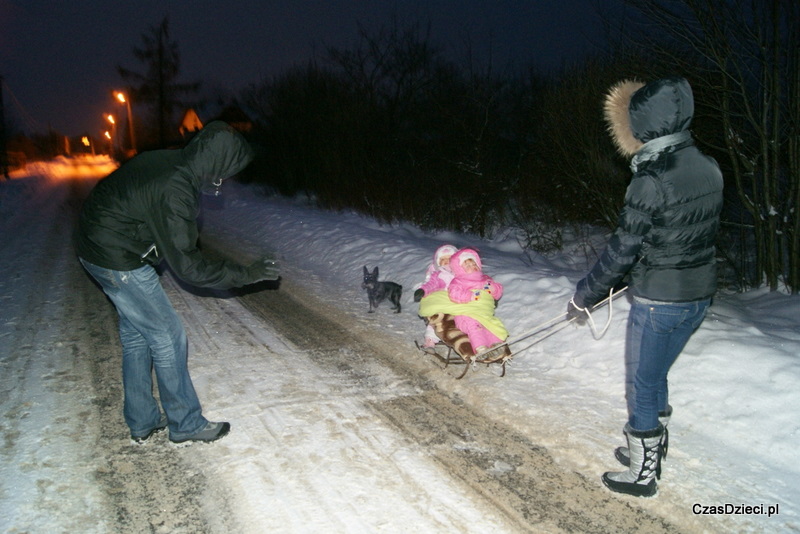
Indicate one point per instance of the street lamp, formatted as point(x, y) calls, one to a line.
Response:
point(107, 135)
point(110, 118)
point(121, 97)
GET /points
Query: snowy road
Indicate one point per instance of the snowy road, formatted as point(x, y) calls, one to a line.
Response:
point(503, 474)
point(332, 432)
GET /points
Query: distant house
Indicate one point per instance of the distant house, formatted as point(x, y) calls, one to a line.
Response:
point(190, 124)
point(237, 118)
point(233, 115)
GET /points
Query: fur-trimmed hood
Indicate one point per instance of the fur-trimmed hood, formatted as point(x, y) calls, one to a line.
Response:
point(444, 250)
point(464, 286)
point(637, 113)
point(460, 257)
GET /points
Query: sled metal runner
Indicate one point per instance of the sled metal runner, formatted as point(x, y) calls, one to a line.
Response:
point(499, 354)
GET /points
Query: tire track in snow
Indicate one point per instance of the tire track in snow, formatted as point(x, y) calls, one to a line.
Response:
point(307, 452)
point(507, 475)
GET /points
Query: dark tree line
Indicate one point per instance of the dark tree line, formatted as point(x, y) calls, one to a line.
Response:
point(393, 130)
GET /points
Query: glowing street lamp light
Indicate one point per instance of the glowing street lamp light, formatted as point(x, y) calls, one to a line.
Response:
point(110, 118)
point(121, 97)
point(107, 135)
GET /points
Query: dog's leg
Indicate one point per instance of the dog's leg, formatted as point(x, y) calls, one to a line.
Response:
point(395, 295)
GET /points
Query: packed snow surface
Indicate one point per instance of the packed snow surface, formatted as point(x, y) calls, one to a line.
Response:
point(734, 390)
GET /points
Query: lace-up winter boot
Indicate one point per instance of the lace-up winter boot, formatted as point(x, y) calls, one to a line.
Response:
point(640, 478)
point(623, 456)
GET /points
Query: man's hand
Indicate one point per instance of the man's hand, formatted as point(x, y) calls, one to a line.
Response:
point(263, 269)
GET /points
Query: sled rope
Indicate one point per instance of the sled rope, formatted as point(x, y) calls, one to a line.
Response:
point(547, 330)
point(590, 319)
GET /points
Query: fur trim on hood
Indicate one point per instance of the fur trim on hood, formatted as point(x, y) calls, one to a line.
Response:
point(444, 250)
point(458, 259)
point(616, 113)
point(640, 114)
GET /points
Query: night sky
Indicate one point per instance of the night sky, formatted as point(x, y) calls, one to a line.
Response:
point(59, 58)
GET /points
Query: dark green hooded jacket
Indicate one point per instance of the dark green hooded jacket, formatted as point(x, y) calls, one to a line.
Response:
point(667, 228)
point(147, 210)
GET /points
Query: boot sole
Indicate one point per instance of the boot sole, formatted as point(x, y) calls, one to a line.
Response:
point(141, 440)
point(629, 488)
point(226, 427)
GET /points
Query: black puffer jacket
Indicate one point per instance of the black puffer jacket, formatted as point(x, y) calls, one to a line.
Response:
point(668, 225)
point(147, 209)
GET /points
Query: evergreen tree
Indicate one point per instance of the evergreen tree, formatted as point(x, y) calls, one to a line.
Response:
point(157, 87)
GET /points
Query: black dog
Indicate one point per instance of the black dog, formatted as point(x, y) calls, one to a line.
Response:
point(378, 291)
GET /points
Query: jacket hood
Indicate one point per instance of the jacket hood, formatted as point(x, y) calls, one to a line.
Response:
point(444, 250)
point(216, 153)
point(462, 255)
point(637, 113)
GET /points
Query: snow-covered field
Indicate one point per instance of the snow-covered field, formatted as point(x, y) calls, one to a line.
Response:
point(733, 435)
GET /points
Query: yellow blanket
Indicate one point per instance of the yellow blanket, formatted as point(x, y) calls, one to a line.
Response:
point(482, 310)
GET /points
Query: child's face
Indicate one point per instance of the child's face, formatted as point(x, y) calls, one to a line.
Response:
point(444, 261)
point(469, 266)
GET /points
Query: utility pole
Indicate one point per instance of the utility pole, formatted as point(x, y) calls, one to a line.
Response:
point(3, 145)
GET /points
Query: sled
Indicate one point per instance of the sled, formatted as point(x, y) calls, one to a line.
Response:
point(454, 347)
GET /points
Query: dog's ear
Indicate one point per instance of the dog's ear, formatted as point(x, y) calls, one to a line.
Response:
point(366, 272)
point(375, 272)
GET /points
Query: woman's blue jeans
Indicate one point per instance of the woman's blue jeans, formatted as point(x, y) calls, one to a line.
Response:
point(152, 338)
point(656, 335)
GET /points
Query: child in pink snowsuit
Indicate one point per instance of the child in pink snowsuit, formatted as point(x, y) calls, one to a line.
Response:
point(467, 284)
point(437, 278)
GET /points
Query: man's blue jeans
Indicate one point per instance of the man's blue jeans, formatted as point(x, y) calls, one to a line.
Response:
point(656, 335)
point(152, 337)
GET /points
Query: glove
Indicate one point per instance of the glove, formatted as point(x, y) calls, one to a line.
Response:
point(418, 294)
point(263, 269)
point(574, 311)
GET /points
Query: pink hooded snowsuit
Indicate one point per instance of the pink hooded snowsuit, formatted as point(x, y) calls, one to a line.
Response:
point(466, 287)
point(437, 278)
